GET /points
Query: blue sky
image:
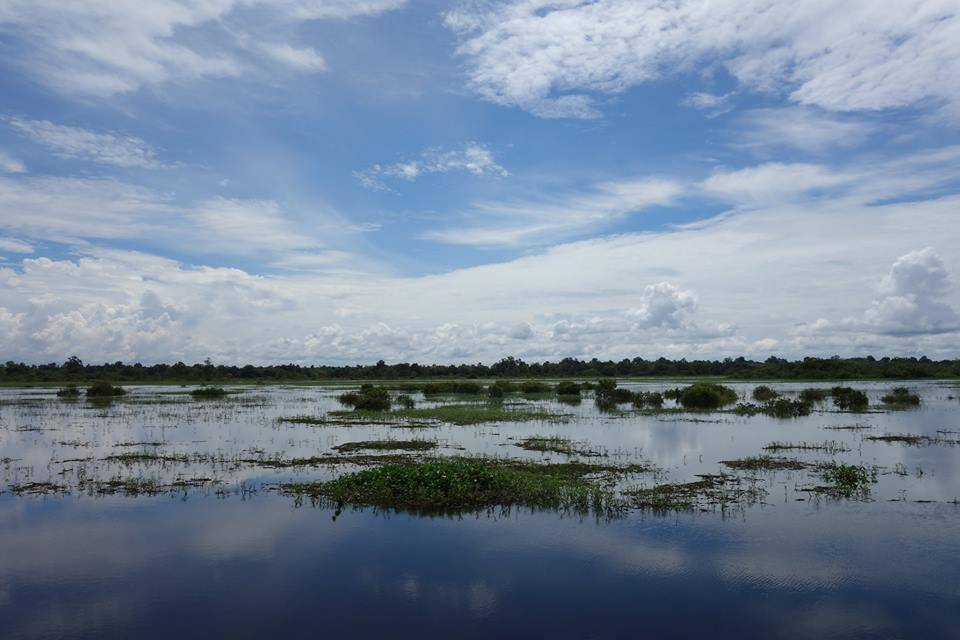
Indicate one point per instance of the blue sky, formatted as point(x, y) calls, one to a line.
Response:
point(333, 181)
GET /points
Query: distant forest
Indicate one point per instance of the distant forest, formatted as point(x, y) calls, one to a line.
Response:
point(835, 368)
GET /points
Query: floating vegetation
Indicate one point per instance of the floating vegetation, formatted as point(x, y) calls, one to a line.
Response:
point(846, 480)
point(831, 446)
point(849, 427)
point(556, 444)
point(405, 401)
point(142, 486)
point(911, 439)
point(709, 492)
point(763, 393)
point(901, 397)
point(134, 457)
point(764, 463)
point(705, 395)
point(69, 392)
point(849, 399)
point(387, 445)
point(104, 389)
point(208, 393)
point(463, 485)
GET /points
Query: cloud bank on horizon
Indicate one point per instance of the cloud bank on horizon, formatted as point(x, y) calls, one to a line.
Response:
point(328, 181)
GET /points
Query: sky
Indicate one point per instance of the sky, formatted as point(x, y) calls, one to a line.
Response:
point(344, 181)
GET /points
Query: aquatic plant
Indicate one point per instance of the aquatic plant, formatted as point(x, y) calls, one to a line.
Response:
point(208, 393)
point(556, 444)
point(830, 446)
point(405, 401)
point(104, 389)
point(706, 395)
point(764, 463)
point(847, 480)
point(462, 485)
point(849, 399)
point(786, 408)
point(901, 397)
point(763, 393)
point(710, 491)
point(453, 387)
point(70, 391)
point(458, 414)
point(643, 399)
point(607, 392)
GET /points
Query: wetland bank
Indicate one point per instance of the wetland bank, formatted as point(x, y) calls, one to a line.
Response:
point(477, 504)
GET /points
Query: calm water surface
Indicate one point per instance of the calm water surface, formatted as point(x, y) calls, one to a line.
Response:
point(228, 556)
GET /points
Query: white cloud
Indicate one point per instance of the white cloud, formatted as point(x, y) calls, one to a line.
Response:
point(94, 48)
point(913, 302)
point(712, 104)
point(551, 58)
point(73, 142)
point(13, 245)
point(75, 210)
point(9, 164)
point(531, 222)
point(474, 158)
point(809, 130)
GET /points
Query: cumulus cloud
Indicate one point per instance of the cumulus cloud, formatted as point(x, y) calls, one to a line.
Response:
point(913, 301)
point(474, 158)
point(101, 147)
point(553, 58)
point(101, 49)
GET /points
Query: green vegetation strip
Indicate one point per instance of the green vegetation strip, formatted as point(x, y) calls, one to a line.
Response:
point(462, 485)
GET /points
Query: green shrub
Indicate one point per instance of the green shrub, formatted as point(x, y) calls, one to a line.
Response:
point(531, 386)
point(453, 387)
point(786, 408)
point(849, 399)
point(69, 391)
point(368, 398)
point(707, 395)
point(901, 396)
point(763, 393)
point(813, 395)
point(104, 389)
point(647, 399)
point(405, 401)
point(568, 388)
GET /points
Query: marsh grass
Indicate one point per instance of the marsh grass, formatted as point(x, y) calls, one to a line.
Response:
point(705, 395)
point(556, 444)
point(849, 399)
point(709, 492)
point(387, 445)
point(69, 392)
point(208, 393)
point(459, 414)
point(831, 446)
point(764, 463)
point(763, 393)
point(901, 397)
point(104, 389)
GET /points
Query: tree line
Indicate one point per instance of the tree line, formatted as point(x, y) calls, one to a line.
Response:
point(835, 368)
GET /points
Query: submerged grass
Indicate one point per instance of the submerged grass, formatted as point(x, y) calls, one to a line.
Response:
point(387, 445)
point(709, 492)
point(459, 414)
point(556, 444)
point(830, 446)
point(764, 463)
point(846, 480)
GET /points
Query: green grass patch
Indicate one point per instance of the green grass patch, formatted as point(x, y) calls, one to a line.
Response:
point(846, 480)
point(709, 492)
point(463, 485)
point(830, 446)
point(208, 393)
point(458, 414)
